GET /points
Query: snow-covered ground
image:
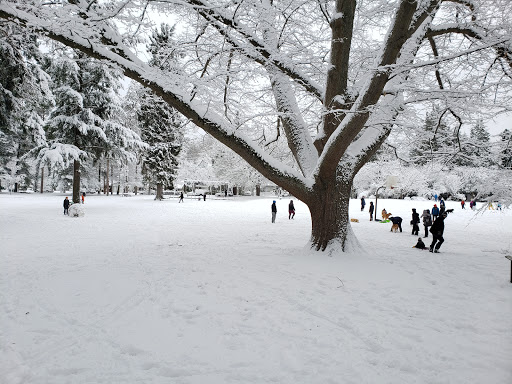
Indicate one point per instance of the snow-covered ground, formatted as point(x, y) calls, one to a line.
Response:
point(139, 291)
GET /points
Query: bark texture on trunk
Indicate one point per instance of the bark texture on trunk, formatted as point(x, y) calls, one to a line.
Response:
point(159, 191)
point(42, 179)
point(329, 216)
point(76, 181)
point(106, 174)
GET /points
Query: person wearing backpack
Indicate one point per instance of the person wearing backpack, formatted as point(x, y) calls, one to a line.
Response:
point(427, 220)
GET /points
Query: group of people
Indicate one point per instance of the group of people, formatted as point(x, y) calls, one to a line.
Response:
point(67, 203)
point(291, 211)
point(433, 222)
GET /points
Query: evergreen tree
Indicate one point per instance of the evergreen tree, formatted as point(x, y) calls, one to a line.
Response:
point(25, 99)
point(506, 149)
point(84, 122)
point(159, 123)
point(478, 147)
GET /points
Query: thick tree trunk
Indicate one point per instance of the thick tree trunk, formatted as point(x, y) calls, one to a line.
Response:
point(106, 175)
point(42, 179)
point(159, 191)
point(330, 218)
point(76, 181)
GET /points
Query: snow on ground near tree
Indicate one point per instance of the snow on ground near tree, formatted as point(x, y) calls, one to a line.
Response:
point(139, 291)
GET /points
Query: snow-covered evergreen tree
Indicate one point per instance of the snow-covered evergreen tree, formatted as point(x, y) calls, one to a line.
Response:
point(160, 123)
point(84, 124)
point(25, 98)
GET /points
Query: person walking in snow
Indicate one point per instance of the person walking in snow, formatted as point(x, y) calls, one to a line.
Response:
point(274, 211)
point(427, 221)
point(181, 198)
point(371, 210)
point(442, 205)
point(415, 221)
point(463, 204)
point(66, 206)
point(363, 203)
point(435, 212)
point(435, 196)
point(437, 231)
point(291, 210)
point(83, 197)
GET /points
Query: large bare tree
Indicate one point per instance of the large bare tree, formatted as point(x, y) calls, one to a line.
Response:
point(330, 79)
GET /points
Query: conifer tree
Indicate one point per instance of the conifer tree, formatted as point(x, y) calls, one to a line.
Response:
point(160, 123)
point(83, 124)
point(25, 99)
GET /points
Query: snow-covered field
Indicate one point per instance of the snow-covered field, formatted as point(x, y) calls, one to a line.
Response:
point(139, 291)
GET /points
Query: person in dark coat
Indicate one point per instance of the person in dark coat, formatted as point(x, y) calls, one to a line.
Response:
point(420, 244)
point(442, 205)
point(363, 203)
point(415, 221)
point(291, 210)
point(435, 212)
point(181, 198)
point(274, 211)
point(427, 220)
point(437, 231)
point(371, 210)
point(66, 206)
point(396, 220)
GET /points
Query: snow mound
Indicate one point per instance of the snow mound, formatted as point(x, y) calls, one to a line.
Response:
point(76, 210)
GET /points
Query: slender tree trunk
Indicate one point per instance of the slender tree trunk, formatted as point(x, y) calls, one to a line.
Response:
point(76, 181)
point(159, 191)
point(42, 179)
point(329, 216)
point(106, 174)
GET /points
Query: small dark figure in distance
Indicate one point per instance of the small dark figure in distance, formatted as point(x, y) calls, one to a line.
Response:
point(371, 210)
point(437, 231)
point(420, 244)
point(427, 221)
point(463, 204)
point(66, 206)
point(291, 210)
point(226, 193)
point(83, 197)
point(415, 221)
point(363, 203)
point(274, 211)
point(204, 197)
point(397, 223)
point(181, 198)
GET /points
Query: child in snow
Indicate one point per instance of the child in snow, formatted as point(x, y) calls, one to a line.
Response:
point(420, 244)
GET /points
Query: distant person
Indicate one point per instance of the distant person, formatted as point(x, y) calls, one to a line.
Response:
point(371, 210)
point(66, 206)
point(472, 205)
point(181, 198)
point(274, 211)
point(442, 205)
point(463, 204)
point(427, 221)
point(291, 210)
point(435, 212)
point(435, 197)
point(226, 193)
point(415, 221)
point(437, 231)
point(396, 220)
point(363, 203)
point(204, 197)
point(83, 197)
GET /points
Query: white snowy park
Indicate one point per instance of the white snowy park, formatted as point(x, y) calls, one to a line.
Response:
point(145, 291)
